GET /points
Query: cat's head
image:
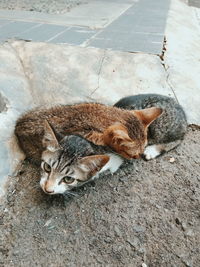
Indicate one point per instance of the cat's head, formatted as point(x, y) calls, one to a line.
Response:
point(129, 140)
point(67, 162)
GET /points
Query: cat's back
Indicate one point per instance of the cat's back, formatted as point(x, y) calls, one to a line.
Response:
point(81, 119)
point(78, 118)
point(142, 101)
point(172, 123)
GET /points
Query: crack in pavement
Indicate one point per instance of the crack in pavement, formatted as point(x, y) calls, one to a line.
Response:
point(99, 73)
point(166, 68)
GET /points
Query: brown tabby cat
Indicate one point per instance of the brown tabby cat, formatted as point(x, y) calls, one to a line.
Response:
point(124, 131)
point(168, 131)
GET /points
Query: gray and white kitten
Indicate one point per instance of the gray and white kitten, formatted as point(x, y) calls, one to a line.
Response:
point(71, 161)
point(168, 130)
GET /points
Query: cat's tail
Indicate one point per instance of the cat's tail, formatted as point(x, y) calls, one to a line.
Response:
point(153, 151)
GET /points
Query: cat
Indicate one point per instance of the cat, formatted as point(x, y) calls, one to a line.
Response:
point(125, 131)
point(43, 135)
point(166, 132)
point(72, 161)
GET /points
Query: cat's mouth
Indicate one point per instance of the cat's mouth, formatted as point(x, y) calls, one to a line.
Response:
point(48, 192)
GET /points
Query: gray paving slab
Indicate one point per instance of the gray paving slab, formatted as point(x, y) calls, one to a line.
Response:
point(195, 3)
point(75, 36)
point(136, 27)
point(4, 21)
point(93, 14)
point(139, 29)
point(43, 32)
point(13, 29)
point(140, 42)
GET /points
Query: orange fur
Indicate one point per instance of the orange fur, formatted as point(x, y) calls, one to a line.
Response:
point(123, 130)
point(116, 136)
point(147, 116)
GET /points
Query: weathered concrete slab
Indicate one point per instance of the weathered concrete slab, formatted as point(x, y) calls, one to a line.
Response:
point(182, 57)
point(15, 93)
point(71, 74)
point(38, 74)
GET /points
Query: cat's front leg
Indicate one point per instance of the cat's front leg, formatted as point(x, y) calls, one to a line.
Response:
point(153, 151)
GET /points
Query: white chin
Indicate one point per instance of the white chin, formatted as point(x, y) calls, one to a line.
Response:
point(60, 189)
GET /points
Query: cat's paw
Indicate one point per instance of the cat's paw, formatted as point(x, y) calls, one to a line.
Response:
point(151, 152)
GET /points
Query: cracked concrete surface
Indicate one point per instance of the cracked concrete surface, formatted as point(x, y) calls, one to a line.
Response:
point(147, 214)
point(162, 58)
point(38, 74)
point(99, 73)
point(182, 57)
point(71, 74)
point(44, 74)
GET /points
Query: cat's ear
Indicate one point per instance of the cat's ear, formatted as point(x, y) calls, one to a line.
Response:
point(92, 164)
point(148, 115)
point(50, 140)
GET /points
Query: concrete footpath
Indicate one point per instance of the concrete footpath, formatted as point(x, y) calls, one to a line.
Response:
point(102, 66)
point(130, 25)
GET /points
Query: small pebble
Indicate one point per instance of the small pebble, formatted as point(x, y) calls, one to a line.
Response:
point(139, 228)
point(190, 233)
point(47, 222)
point(172, 160)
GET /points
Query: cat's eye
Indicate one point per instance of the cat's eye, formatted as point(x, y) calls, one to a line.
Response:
point(68, 179)
point(47, 167)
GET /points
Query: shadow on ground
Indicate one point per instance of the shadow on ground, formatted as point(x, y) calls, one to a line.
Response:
point(147, 212)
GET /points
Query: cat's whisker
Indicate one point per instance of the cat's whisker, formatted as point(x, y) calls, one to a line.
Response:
point(71, 193)
point(37, 185)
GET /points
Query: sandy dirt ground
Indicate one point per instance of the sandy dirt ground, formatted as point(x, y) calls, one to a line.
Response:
point(46, 6)
point(146, 213)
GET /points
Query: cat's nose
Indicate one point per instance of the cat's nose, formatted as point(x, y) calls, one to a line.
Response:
point(48, 191)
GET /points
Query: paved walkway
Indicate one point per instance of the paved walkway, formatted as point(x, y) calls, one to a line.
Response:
point(117, 25)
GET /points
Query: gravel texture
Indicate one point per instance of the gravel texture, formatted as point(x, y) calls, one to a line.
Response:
point(46, 6)
point(146, 213)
